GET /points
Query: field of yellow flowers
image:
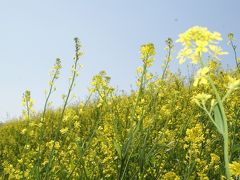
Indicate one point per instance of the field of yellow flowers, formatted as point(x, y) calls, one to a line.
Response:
point(171, 127)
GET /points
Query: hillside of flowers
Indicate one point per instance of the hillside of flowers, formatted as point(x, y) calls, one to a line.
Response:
point(172, 127)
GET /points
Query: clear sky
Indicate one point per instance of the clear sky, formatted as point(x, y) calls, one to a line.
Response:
point(34, 33)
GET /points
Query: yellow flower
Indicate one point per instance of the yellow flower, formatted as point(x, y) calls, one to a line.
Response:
point(170, 176)
point(147, 50)
point(198, 40)
point(76, 124)
point(27, 146)
point(149, 76)
point(213, 65)
point(140, 70)
point(20, 161)
point(195, 134)
point(201, 46)
point(201, 77)
point(23, 131)
point(216, 51)
point(235, 168)
point(64, 130)
point(57, 145)
point(201, 99)
point(214, 158)
point(50, 144)
point(183, 54)
point(147, 53)
point(233, 83)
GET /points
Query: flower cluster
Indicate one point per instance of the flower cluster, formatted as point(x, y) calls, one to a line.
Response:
point(198, 40)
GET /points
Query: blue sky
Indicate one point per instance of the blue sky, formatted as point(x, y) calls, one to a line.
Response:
point(34, 33)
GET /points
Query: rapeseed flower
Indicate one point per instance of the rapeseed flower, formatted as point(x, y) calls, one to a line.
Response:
point(64, 130)
point(201, 77)
point(24, 131)
point(235, 168)
point(233, 83)
point(147, 52)
point(196, 41)
point(201, 99)
point(170, 176)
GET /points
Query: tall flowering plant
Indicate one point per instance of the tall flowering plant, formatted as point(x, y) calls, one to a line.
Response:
point(196, 42)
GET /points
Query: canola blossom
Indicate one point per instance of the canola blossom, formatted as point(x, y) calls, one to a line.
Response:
point(201, 99)
point(197, 41)
point(201, 77)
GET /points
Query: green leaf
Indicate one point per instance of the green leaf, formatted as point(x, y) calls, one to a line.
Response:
point(117, 147)
point(218, 119)
point(236, 148)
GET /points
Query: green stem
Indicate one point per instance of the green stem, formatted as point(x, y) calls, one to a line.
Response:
point(235, 55)
point(225, 134)
point(51, 156)
point(168, 61)
point(43, 119)
point(135, 129)
point(226, 157)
